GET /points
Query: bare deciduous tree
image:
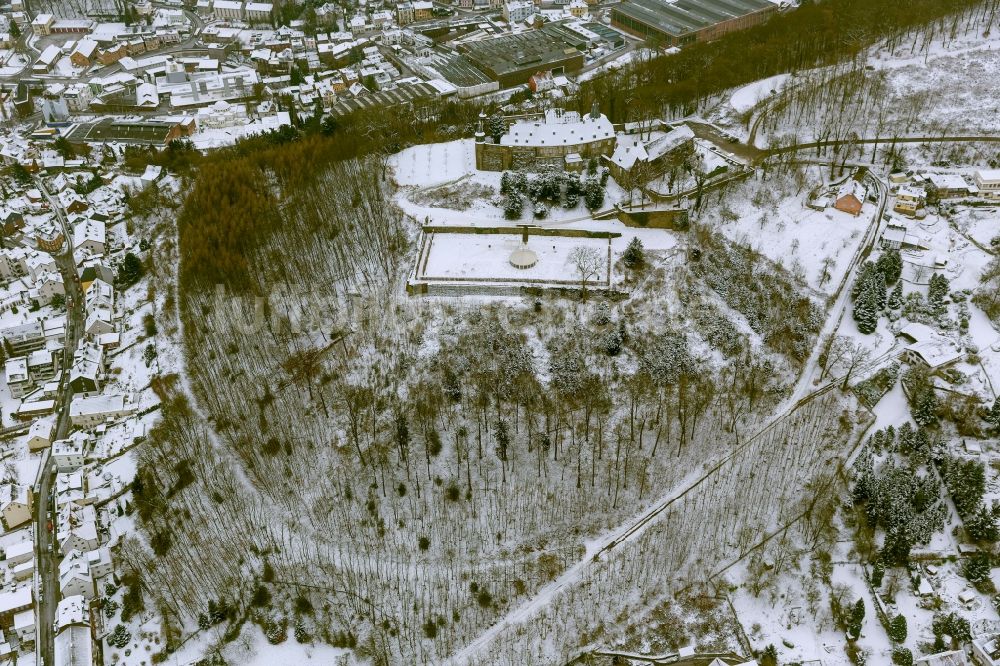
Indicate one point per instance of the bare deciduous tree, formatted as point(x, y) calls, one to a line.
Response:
point(588, 263)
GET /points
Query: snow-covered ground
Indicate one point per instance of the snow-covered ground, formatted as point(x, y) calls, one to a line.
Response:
point(434, 164)
point(434, 177)
point(749, 96)
point(817, 246)
point(487, 257)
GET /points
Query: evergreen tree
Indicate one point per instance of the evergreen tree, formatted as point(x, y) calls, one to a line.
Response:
point(634, 253)
point(976, 570)
point(895, 301)
point(878, 573)
point(937, 292)
point(120, 636)
point(897, 629)
point(497, 127)
point(902, 656)
point(506, 182)
point(993, 416)
point(513, 206)
point(864, 277)
point(612, 343)
point(130, 271)
point(866, 311)
point(982, 526)
point(890, 265)
point(593, 195)
point(877, 286)
point(925, 407)
point(856, 620)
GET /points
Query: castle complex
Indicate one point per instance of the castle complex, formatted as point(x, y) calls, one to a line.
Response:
point(563, 139)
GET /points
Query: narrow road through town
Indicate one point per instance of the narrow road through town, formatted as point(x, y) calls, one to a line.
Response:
point(47, 567)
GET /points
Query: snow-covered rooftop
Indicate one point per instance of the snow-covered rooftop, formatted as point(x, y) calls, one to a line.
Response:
point(560, 128)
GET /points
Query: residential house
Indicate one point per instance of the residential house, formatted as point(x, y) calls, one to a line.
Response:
point(15, 505)
point(95, 269)
point(632, 154)
point(24, 626)
point(68, 454)
point(909, 199)
point(42, 24)
point(20, 552)
point(90, 236)
point(515, 11)
point(850, 197)
point(85, 53)
point(72, 202)
point(112, 54)
point(948, 185)
point(47, 60)
point(13, 602)
point(950, 658)
point(74, 576)
point(423, 10)
point(988, 182)
point(257, 13)
point(77, 528)
point(99, 305)
point(41, 365)
point(30, 410)
point(579, 9)
point(18, 380)
point(893, 236)
point(12, 262)
point(88, 366)
point(40, 434)
point(93, 411)
point(228, 10)
point(986, 649)
point(73, 645)
point(100, 562)
point(69, 489)
point(928, 348)
point(47, 287)
point(71, 611)
point(49, 238)
point(404, 13)
point(24, 571)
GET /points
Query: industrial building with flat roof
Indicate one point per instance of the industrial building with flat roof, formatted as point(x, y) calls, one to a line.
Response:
point(513, 59)
point(688, 21)
point(402, 94)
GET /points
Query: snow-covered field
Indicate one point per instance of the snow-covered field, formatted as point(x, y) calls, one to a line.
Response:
point(486, 257)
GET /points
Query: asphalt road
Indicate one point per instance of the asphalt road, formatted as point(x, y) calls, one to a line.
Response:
point(47, 566)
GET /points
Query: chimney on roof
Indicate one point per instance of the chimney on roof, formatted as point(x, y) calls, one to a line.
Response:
point(595, 110)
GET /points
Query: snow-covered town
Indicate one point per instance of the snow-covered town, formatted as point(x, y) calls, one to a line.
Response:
point(491, 333)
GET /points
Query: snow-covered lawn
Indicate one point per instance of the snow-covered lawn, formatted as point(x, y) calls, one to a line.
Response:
point(486, 257)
